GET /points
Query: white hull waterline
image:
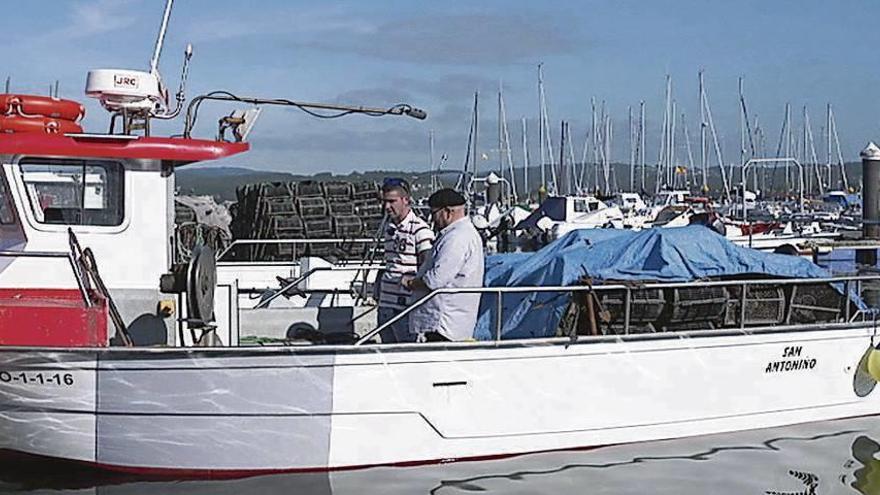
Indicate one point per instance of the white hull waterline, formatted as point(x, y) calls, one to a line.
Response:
point(241, 411)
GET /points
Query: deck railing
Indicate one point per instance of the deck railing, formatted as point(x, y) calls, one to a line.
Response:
point(846, 281)
point(293, 242)
point(305, 276)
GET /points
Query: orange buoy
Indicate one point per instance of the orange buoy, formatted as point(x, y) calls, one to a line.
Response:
point(44, 106)
point(17, 123)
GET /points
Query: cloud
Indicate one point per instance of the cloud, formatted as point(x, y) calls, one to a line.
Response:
point(457, 86)
point(471, 39)
point(87, 19)
point(371, 97)
point(298, 25)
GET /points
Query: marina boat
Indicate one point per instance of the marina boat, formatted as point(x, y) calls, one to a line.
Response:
point(559, 215)
point(114, 356)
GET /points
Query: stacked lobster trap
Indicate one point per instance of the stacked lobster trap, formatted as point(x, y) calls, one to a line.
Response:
point(343, 213)
point(709, 305)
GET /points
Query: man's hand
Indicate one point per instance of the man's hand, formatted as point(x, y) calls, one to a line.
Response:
point(406, 281)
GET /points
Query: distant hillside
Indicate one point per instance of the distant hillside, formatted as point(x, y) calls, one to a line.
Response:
point(221, 182)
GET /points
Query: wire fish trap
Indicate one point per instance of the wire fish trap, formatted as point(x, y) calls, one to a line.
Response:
point(347, 226)
point(369, 210)
point(646, 306)
point(340, 208)
point(311, 207)
point(276, 190)
point(309, 189)
point(316, 228)
point(338, 190)
point(765, 305)
point(815, 303)
point(287, 223)
point(275, 206)
point(693, 308)
point(365, 191)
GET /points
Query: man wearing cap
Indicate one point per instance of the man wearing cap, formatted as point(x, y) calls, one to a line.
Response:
point(408, 242)
point(456, 261)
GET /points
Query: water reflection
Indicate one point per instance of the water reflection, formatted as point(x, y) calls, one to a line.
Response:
point(821, 458)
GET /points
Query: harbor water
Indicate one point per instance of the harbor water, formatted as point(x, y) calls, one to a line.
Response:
point(834, 457)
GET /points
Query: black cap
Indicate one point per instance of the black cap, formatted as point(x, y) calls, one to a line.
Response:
point(446, 197)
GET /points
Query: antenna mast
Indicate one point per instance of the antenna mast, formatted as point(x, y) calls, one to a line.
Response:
point(160, 39)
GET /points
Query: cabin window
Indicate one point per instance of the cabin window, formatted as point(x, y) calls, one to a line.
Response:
point(75, 192)
point(6, 216)
point(580, 206)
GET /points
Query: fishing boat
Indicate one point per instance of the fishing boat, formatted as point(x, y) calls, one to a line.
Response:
point(113, 355)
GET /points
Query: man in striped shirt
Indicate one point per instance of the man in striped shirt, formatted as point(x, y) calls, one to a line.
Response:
point(408, 241)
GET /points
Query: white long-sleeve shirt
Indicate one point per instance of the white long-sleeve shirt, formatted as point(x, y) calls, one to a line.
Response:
point(456, 260)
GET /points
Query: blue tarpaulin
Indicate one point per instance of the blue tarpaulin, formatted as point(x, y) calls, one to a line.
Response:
point(659, 254)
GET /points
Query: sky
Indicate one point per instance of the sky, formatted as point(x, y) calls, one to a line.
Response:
point(435, 55)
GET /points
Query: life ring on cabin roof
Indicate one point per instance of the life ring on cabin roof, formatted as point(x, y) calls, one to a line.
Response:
point(17, 123)
point(41, 106)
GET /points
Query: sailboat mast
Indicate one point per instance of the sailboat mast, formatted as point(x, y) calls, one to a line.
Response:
point(563, 172)
point(632, 150)
point(840, 161)
point(476, 131)
point(642, 142)
point(525, 147)
point(504, 145)
point(704, 169)
point(690, 154)
point(541, 125)
point(432, 163)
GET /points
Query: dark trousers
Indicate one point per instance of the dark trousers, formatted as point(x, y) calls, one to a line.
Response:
point(435, 337)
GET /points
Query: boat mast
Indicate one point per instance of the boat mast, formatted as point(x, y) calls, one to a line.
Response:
point(609, 135)
point(690, 153)
point(504, 144)
point(525, 147)
point(746, 138)
point(828, 142)
point(584, 178)
point(470, 153)
point(760, 152)
point(432, 163)
point(541, 124)
point(595, 143)
point(703, 143)
point(564, 186)
point(476, 132)
point(660, 176)
point(808, 135)
point(642, 162)
point(632, 150)
point(545, 135)
point(789, 141)
point(574, 177)
point(840, 161)
point(160, 39)
point(704, 99)
point(670, 164)
point(742, 136)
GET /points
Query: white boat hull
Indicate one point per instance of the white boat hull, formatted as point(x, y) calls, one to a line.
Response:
point(248, 410)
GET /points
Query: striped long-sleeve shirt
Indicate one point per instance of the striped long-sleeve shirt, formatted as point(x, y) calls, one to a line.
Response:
point(403, 244)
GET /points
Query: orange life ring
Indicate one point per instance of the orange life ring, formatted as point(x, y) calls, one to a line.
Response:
point(17, 123)
point(31, 105)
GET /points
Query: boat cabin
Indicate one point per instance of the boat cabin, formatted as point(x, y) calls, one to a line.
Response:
point(115, 194)
point(668, 198)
